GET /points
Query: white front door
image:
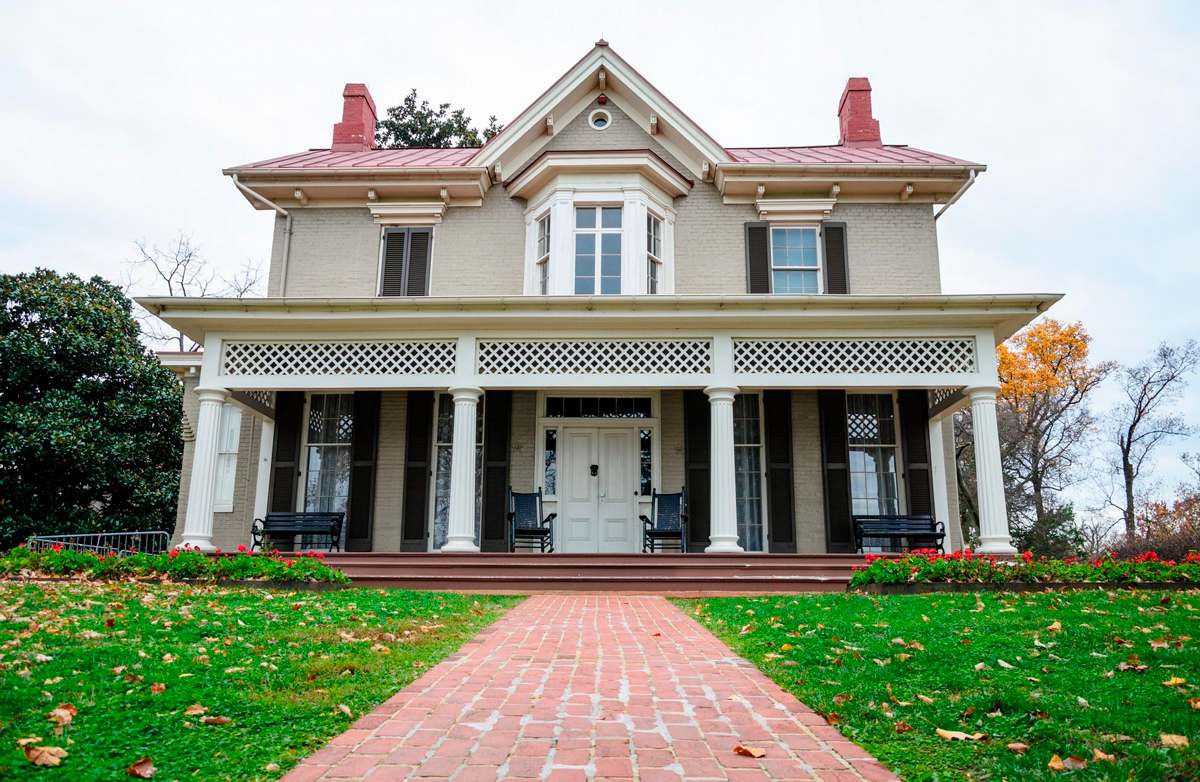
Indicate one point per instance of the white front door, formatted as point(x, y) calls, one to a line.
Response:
point(598, 500)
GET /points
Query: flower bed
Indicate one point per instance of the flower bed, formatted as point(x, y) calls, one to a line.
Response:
point(181, 563)
point(965, 567)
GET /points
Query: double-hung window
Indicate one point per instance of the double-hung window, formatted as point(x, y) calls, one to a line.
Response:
point(227, 453)
point(597, 250)
point(795, 260)
point(404, 267)
point(543, 254)
point(871, 425)
point(329, 457)
point(654, 254)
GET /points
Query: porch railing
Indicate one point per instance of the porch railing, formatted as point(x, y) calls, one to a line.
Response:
point(122, 544)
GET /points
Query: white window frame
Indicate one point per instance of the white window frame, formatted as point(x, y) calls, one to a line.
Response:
point(598, 231)
point(636, 200)
point(229, 440)
point(654, 264)
point(542, 252)
point(761, 447)
point(301, 496)
point(819, 268)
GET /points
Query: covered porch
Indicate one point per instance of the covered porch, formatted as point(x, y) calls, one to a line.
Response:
point(780, 418)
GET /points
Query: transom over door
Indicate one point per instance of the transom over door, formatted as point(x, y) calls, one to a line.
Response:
point(598, 491)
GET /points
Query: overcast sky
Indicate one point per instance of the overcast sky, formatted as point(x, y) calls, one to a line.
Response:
point(116, 119)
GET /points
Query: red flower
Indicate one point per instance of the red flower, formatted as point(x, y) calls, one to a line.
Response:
point(242, 547)
point(173, 553)
point(1027, 556)
point(320, 555)
point(291, 562)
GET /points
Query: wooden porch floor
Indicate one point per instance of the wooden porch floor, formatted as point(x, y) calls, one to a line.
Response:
point(676, 574)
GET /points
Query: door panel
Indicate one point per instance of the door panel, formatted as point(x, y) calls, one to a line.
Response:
point(617, 499)
point(578, 492)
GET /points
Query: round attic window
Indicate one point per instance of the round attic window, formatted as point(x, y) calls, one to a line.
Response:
point(599, 119)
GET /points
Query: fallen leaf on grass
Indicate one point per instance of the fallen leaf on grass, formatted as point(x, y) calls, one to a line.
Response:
point(1073, 763)
point(29, 740)
point(882, 663)
point(216, 720)
point(272, 767)
point(1097, 755)
point(833, 718)
point(1083, 703)
point(1117, 738)
point(903, 727)
point(45, 756)
point(1003, 664)
point(1194, 703)
point(980, 666)
point(1055, 627)
point(157, 689)
point(142, 769)
point(958, 735)
point(924, 699)
point(750, 752)
point(132, 678)
point(62, 716)
point(344, 709)
point(1172, 740)
point(838, 700)
point(194, 710)
point(1174, 681)
point(1018, 747)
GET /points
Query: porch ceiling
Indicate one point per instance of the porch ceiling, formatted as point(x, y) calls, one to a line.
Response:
point(613, 315)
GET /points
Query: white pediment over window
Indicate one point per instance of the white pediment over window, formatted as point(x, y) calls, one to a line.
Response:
point(553, 167)
point(795, 209)
point(408, 212)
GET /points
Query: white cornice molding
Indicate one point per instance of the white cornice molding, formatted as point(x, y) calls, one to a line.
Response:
point(799, 209)
point(408, 213)
point(553, 164)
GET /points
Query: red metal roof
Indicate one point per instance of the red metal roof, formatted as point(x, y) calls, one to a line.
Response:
point(372, 158)
point(887, 154)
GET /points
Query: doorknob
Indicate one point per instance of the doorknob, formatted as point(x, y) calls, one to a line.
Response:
point(595, 469)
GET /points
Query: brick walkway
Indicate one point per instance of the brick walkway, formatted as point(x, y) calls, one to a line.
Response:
point(574, 688)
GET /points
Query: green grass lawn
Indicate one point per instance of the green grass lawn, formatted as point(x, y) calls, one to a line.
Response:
point(285, 667)
point(1059, 692)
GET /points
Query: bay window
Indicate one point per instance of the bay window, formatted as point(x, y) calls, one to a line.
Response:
point(653, 252)
point(543, 254)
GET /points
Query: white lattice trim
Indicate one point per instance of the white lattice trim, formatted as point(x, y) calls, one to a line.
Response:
point(264, 398)
point(594, 357)
point(853, 356)
point(416, 357)
point(939, 395)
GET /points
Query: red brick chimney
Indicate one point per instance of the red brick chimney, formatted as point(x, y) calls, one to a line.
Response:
point(356, 131)
point(854, 115)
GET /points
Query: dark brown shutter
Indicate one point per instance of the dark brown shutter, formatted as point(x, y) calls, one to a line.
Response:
point(914, 435)
point(395, 247)
point(497, 418)
point(835, 460)
point(758, 257)
point(837, 276)
point(418, 457)
point(364, 441)
point(420, 242)
point(697, 433)
point(289, 417)
point(781, 506)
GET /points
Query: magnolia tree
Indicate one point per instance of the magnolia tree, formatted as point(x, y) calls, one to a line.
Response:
point(89, 420)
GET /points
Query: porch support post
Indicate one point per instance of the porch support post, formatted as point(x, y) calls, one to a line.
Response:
point(994, 537)
point(723, 534)
point(460, 533)
point(198, 524)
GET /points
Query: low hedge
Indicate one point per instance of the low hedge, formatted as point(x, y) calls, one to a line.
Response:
point(181, 563)
point(928, 566)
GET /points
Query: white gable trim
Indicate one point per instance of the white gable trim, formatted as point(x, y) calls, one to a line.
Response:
point(570, 95)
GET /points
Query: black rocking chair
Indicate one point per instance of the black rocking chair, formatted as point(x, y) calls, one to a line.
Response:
point(669, 525)
point(526, 523)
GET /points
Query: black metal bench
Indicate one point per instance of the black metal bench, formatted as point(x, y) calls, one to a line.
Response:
point(320, 525)
point(905, 532)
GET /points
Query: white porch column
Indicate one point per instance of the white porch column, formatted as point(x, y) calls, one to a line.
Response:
point(994, 537)
point(198, 524)
point(937, 473)
point(460, 533)
point(723, 534)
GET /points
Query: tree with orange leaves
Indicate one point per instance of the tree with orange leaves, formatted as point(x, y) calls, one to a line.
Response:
point(1044, 420)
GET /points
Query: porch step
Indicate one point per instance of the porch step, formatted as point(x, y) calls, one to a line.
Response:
point(621, 573)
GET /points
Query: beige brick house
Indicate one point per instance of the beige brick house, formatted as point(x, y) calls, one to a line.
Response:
point(600, 303)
